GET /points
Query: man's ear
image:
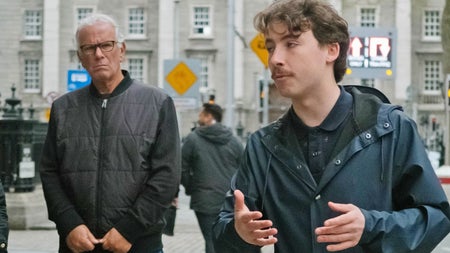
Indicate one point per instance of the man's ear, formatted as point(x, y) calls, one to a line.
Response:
point(333, 51)
point(123, 49)
point(209, 118)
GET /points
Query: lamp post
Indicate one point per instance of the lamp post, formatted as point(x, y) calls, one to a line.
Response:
point(176, 39)
point(230, 65)
point(239, 127)
point(446, 90)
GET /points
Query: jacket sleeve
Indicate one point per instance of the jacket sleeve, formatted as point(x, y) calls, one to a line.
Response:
point(225, 237)
point(420, 219)
point(146, 215)
point(60, 208)
point(4, 228)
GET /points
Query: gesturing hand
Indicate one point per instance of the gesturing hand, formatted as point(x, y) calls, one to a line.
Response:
point(80, 239)
point(343, 231)
point(249, 227)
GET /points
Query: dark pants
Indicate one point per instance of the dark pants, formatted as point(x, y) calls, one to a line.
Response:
point(206, 221)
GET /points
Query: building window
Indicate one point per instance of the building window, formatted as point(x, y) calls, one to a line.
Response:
point(31, 76)
point(201, 21)
point(432, 25)
point(368, 82)
point(33, 24)
point(136, 68)
point(83, 13)
point(205, 86)
point(136, 22)
point(368, 17)
point(204, 71)
point(432, 76)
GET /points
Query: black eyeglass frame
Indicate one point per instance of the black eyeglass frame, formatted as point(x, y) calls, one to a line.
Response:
point(90, 49)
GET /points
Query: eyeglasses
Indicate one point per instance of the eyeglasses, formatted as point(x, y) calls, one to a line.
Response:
point(106, 46)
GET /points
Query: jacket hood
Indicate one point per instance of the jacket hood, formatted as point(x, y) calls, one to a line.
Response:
point(216, 133)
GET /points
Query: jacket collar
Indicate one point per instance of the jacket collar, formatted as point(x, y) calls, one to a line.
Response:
point(335, 118)
point(279, 138)
point(365, 115)
point(123, 85)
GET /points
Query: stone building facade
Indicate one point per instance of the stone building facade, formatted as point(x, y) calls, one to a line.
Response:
point(37, 50)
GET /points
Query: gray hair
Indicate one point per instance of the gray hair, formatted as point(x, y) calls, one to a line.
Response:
point(98, 18)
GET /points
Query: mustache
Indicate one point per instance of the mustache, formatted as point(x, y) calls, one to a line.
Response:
point(279, 72)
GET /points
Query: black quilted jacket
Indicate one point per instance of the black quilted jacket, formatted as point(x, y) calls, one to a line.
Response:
point(112, 162)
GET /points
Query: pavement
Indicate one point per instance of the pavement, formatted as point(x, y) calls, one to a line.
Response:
point(187, 238)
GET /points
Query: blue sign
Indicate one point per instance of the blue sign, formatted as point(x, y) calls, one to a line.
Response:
point(77, 78)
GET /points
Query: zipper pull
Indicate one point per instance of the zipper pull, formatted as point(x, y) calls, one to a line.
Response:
point(104, 103)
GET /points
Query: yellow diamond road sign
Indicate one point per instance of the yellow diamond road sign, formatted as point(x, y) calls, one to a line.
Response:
point(258, 46)
point(181, 78)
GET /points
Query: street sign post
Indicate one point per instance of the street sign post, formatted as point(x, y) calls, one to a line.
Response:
point(182, 83)
point(258, 46)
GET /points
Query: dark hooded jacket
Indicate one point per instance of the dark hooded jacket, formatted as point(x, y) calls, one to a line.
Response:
point(210, 157)
point(112, 162)
point(379, 164)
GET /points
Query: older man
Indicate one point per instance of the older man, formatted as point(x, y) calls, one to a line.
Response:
point(111, 160)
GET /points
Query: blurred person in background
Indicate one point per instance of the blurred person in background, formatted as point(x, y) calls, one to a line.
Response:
point(210, 157)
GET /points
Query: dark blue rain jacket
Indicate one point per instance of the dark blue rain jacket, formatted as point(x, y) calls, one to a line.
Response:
point(379, 164)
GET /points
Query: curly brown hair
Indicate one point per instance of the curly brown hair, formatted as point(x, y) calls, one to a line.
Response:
point(303, 15)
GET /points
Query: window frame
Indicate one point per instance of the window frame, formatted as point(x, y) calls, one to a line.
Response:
point(77, 18)
point(435, 38)
point(436, 80)
point(142, 35)
point(35, 27)
point(376, 15)
point(36, 75)
point(205, 71)
point(206, 75)
point(144, 59)
point(208, 34)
